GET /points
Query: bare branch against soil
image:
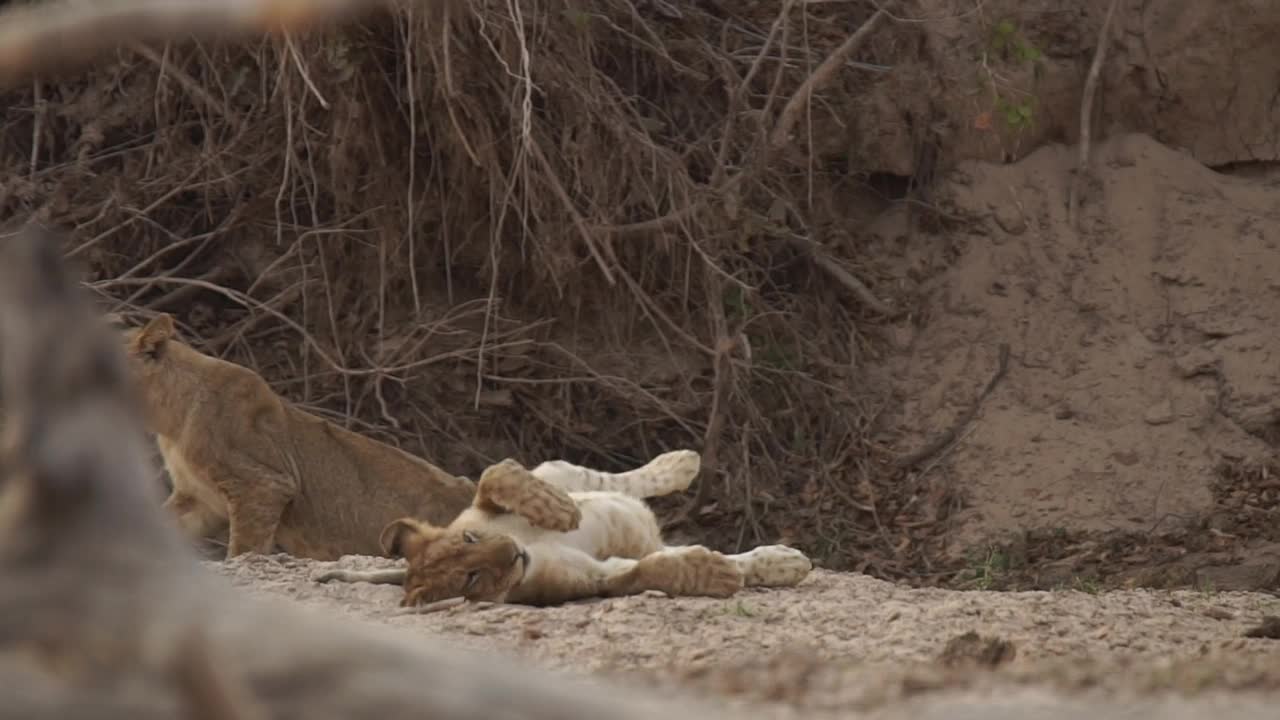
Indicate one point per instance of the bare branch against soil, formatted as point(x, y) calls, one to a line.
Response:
point(52, 36)
point(1086, 114)
point(821, 76)
point(844, 277)
point(558, 188)
point(715, 425)
point(936, 445)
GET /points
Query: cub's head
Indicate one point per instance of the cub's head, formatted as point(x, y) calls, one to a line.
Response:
point(149, 352)
point(147, 346)
point(445, 563)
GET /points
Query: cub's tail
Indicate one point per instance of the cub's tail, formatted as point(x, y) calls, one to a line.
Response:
point(668, 473)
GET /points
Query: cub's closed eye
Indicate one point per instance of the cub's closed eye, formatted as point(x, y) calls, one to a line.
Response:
point(470, 537)
point(472, 577)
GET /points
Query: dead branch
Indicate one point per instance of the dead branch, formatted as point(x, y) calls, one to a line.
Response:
point(1086, 115)
point(66, 36)
point(188, 83)
point(578, 221)
point(948, 436)
point(715, 425)
point(821, 76)
point(850, 281)
point(833, 268)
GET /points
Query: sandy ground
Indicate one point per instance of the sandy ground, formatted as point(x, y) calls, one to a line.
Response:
point(847, 645)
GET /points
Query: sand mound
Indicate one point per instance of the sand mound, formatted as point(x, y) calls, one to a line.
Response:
point(1142, 347)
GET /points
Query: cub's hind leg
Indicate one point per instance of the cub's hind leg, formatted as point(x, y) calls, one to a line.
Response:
point(560, 574)
point(670, 472)
point(509, 487)
point(677, 571)
point(773, 566)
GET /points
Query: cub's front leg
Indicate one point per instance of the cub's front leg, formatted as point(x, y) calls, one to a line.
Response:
point(196, 520)
point(560, 574)
point(389, 576)
point(507, 487)
point(255, 502)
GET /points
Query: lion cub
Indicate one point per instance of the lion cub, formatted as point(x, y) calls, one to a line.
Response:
point(245, 460)
point(563, 532)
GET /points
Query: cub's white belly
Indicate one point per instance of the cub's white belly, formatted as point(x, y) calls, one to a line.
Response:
point(612, 524)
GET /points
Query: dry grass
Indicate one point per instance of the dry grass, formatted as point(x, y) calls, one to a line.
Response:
point(497, 227)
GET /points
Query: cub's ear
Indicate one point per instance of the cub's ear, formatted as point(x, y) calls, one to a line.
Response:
point(153, 336)
point(406, 537)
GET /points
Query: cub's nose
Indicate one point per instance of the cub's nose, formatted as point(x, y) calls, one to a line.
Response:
point(523, 556)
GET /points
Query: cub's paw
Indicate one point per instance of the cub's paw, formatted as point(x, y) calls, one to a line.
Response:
point(509, 485)
point(676, 469)
point(774, 566)
point(556, 511)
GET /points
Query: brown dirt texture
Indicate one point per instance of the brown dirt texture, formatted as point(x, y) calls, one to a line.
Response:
point(622, 227)
point(1142, 381)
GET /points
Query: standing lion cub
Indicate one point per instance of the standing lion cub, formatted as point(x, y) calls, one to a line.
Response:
point(241, 455)
point(562, 532)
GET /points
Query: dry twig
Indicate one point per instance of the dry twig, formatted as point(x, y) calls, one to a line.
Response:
point(715, 428)
point(821, 76)
point(948, 436)
point(1086, 116)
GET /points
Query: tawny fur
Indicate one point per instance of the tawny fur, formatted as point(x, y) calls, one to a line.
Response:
point(245, 461)
point(562, 532)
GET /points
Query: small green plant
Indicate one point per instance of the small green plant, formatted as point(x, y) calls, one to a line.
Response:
point(1011, 45)
point(1087, 585)
point(1017, 115)
point(740, 609)
point(989, 567)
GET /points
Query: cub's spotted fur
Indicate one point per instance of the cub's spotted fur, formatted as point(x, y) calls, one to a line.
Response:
point(563, 532)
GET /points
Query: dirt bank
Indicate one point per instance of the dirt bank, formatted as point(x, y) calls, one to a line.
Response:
point(1142, 371)
point(995, 80)
point(846, 645)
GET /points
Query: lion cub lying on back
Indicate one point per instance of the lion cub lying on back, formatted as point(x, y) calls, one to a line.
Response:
point(564, 532)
